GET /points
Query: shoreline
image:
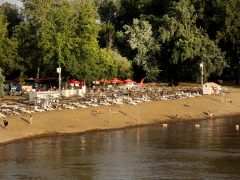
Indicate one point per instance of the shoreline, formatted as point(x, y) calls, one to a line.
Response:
point(51, 134)
point(82, 121)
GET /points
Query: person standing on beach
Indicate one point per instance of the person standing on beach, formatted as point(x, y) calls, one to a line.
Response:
point(5, 122)
point(30, 119)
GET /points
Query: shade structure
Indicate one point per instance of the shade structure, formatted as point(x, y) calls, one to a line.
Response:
point(129, 81)
point(101, 80)
point(73, 81)
point(115, 80)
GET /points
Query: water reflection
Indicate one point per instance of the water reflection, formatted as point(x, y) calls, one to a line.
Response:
point(178, 151)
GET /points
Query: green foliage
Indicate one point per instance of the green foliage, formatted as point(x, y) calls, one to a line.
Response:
point(35, 10)
point(68, 39)
point(106, 35)
point(174, 36)
point(106, 66)
point(141, 39)
point(8, 46)
point(87, 51)
point(13, 16)
point(28, 52)
point(228, 35)
point(108, 10)
point(66, 35)
point(121, 64)
point(1, 84)
point(187, 44)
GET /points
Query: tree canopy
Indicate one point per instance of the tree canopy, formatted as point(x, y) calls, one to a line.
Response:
point(2, 79)
point(90, 39)
point(8, 54)
point(188, 45)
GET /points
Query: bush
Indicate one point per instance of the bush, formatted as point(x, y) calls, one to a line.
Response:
point(2, 79)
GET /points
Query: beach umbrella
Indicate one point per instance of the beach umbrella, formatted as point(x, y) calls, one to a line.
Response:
point(129, 81)
point(73, 81)
point(115, 80)
point(101, 80)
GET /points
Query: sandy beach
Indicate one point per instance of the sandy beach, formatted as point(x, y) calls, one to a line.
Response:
point(119, 116)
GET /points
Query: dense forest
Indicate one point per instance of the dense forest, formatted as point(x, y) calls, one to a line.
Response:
point(161, 40)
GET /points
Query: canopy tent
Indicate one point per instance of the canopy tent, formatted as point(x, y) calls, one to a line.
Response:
point(76, 83)
point(101, 80)
point(115, 80)
point(73, 81)
point(129, 81)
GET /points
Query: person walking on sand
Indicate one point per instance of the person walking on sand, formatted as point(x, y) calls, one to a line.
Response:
point(30, 119)
point(5, 122)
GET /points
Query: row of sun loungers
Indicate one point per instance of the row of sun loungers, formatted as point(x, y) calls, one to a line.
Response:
point(115, 99)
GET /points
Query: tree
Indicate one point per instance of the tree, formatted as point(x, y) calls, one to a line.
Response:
point(108, 11)
point(184, 46)
point(122, 65)
point(56, 35)
point(8, 54)
point(13, 16)
point(64, 33)
point(28, 35)
point(228, 35)
point(141, 39)
point(29, 54)
point(1, 84)
point(87, 50)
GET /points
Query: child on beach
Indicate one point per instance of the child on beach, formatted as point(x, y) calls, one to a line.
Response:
point(210, 113)
point(30, 119)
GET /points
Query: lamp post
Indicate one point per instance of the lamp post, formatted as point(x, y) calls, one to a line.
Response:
point(201, 66)
point(59, 78)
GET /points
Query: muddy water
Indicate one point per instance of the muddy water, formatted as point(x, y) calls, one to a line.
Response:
point(178, 151)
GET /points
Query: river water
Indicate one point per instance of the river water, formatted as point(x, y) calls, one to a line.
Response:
point(178, 151)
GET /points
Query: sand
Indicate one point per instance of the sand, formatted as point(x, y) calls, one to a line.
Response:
point(84, 120)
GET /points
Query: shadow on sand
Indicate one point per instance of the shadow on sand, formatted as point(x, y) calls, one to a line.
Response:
point(25, 120)
point(2, 126)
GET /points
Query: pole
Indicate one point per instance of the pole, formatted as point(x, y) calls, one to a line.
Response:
point(138, 111)
point(59, 78)
point(201, 66)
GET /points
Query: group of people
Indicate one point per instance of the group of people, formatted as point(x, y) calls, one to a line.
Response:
point(5, 122)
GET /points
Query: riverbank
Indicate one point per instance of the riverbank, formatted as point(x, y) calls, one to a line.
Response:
point(120, 116)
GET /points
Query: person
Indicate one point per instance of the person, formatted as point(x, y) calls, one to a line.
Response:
point(5, 122)
point(113, 111)
point(95, 112)
point(210, 114)
point(177, 116)
point(30, 119)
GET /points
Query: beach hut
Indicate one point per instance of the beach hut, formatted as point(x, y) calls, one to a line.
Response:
point(46, 96)
point(211, 88)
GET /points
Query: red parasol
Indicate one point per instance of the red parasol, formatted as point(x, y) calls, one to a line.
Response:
point(129, 81)
point(115, 80)
point(101, 80)
point(73, 81)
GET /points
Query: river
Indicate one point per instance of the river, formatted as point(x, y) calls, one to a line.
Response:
point(178, 151)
